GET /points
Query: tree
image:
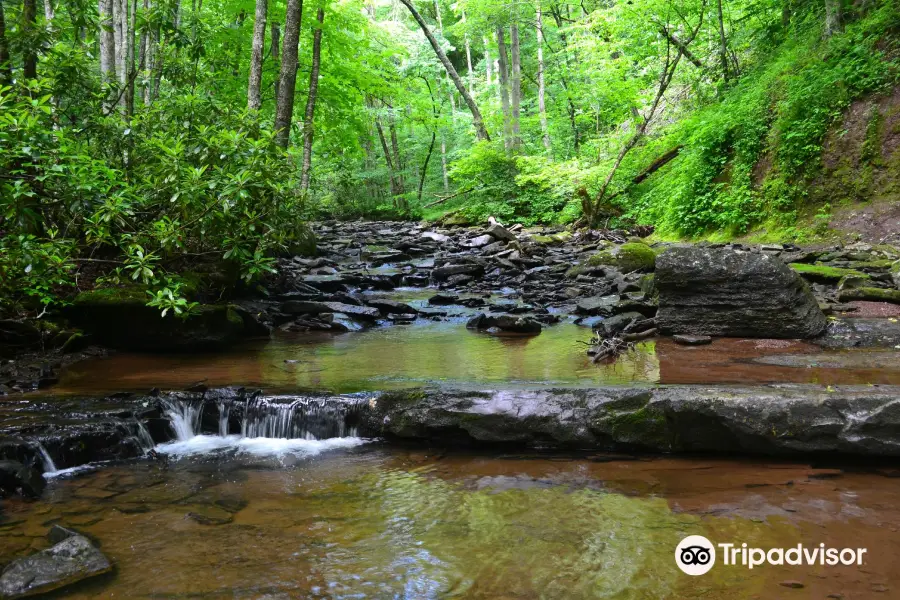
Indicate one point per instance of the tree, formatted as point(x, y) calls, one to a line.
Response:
point(5, 67)
point(723, 43)
point(284, 109)
point(503, 72)
point(29, 50)
point(254, 100)
point(107, 42)
point(542, 108)
point(308, 126)
point(516, 95)
point(480, 130)
point(834, 17)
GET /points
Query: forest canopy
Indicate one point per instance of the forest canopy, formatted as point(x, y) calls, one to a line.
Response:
point(141, 135)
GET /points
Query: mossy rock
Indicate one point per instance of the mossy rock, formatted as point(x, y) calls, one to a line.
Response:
point(304, 241)
point(120, 318)
point(648, 285)
point(632, 256)
point(825, 274)
point(895, 273)
point(871, 294)
point(552, 239)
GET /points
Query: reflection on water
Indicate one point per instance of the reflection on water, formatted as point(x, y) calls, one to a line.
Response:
point(446, 353)
point(377, 523)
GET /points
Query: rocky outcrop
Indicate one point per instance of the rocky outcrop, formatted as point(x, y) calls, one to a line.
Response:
point(726, 292)
point(72, 560)
point(774, 420)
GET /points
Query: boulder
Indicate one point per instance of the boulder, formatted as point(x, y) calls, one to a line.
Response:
point(505, 323)
point(447, 271)
point(872, 294)
point(391, 306)
point(613, 326)
point(437, 237)
point(120, 318)
point(300, 307)
point(478, 242)
point(725, 292)
point(633, 256)
point(498, 231)
point(16, 478)
point(895, 273)
point(597, 305)
point(71, 560)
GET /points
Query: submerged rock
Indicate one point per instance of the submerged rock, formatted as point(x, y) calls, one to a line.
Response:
point(506, 323)
point(71, 560)
point(724, 292)
point(692, 340)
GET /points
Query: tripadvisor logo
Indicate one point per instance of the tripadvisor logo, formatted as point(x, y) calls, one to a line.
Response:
point(696, 555)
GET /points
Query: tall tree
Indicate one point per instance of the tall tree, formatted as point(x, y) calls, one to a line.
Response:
point(503, 72)
point(487, 60)
point(254, 100)
point(542, 108)
point(5, 67)
point(107, 42)
point(480, 130)
point(469, 74)
point(29, 49)
point(49, 13)
point(516, 91)
point(284, 109)
point(275, 46)
point(834, 17)
point(723, 43)
point(308, 123)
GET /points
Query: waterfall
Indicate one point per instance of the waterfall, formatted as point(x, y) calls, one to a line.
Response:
point(49, 465)
point(184, 417)
point(143, 437)
point(224, 413)
point(301, 418)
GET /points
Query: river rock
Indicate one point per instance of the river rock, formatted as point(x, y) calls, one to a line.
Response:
point(478, 242)
point(447, 271)
point(498, 231)
point(506, 323)
point(596, 305)
point(691, 340)
point(437, 237)
point(295, 307)
point(724, 292)
point(73, 559)
point(16, 477)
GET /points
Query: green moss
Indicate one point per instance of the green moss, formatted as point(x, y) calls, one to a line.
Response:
point(871, 294)
point(553, 238)
point(645, 426)
point(824, 273)
point(628, 257)
point(112, 296)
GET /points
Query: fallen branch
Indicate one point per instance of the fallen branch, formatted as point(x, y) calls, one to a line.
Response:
point(442, 199)
point(656, 165)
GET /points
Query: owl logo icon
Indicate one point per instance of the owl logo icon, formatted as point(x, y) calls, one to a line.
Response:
point(695, 555)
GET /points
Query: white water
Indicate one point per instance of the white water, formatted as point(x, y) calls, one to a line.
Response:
point(184, 418)
point(49, 465)
point(257, 447)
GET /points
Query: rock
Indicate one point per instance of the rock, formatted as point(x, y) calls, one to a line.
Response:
point(478, 242)
point(723, 292)
point(692, 340)
point(870, 293)
point(71, 560)
point(505, 323)
point(437, 237)
point(629, 257)
point(498, 231)
point(596, 305)
point(770, 420)
point(18, 478)
point(895, 273)
point(296, 307)
point(342, 322)
point(552, 239)
point(18, 334)
point(391, 306)
point(613, 326)
point(443, 299)
point(790, 583)
point(120, 318)
point(825, 274)
point(445, 272)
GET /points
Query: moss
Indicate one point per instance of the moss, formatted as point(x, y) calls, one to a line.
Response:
point(648, 285)
point(824, 273)
point(112, 296)
point(304, 241)
point(628, 257)
point(871, 294)
point(645, 427)
point(880, 265)
point(553, 238)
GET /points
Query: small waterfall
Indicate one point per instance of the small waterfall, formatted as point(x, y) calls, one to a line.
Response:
point(302, 418)
point(224, 413)
point(184, 417)
point(49, 465)
point(143, 437)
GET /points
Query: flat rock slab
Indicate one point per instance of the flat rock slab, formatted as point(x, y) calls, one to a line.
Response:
point(72, 560)
point(692, 340)
point(770, 420)
point(731, 293)
point(295, 307)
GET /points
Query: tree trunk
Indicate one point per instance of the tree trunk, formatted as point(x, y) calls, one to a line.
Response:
point(49, 13)
point(276, 45)
point(437, 14)
point(468, 58)
point(29, 51)
point(284, 109)
point(107, 42)
point(444, 163)
point(834, 17)
point(119, 33)
point(387, 158)
point(5, 67)
point(516, 94)
point(503, 72)
point(425, 165)
point(398, 162)
point(130, 71)
point(480, 130)
point(542, 107)
point(487, 60)
point(723, 44)
point(311, 102)
point(254, 100)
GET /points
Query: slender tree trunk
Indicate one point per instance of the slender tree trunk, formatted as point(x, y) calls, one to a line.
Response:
point(723, 43)
point(49, 13)
point(254, 100)
point(516, 94)
point(469, 74)
point(834, 17)
point(107, 42)
point(542, 107)
point(480, 130)
point(570, 105)
point(130, 59)
point(176, 15)
point(5, 67)
point(437, 13)
point(487, 60)
point(119, 33)
point(503, 71)
point(398, 162)
point(425, 165)
point(387, 158)
point(145, 58)
point(308, 123)
point(284, 109)
point(276, 46)
point(29, 51)
point(444, 163)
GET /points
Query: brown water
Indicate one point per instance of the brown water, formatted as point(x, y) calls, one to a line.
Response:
point(371, 522)
point(447, 353)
